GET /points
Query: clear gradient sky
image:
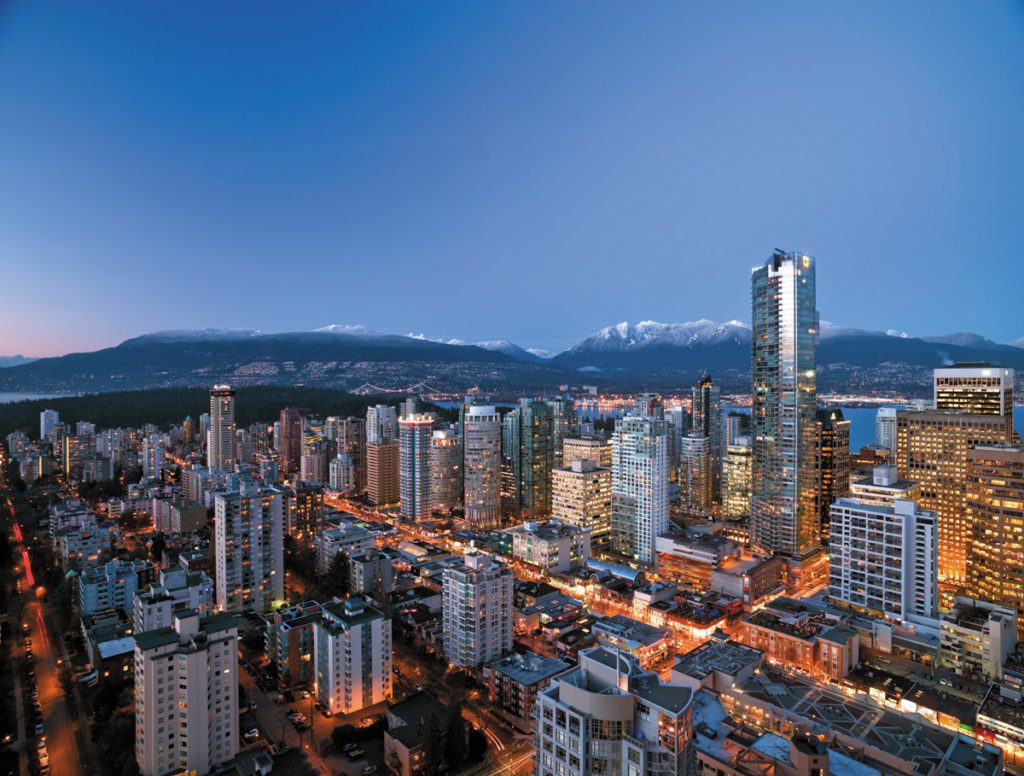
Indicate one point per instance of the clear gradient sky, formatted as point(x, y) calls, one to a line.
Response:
point(525, 170)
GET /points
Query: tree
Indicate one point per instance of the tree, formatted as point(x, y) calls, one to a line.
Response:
point(433, 747)
point(477, 745)
point(156, 549)
point(455, 743)
point(335, 581)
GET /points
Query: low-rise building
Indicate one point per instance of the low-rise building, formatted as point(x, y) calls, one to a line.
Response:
point(976, 637)
point(645, 642)
point(288, 635)
point(176, 590)
point(371, 572)
point(347, 536)
point(403, 739)
point(689, 557)
point(513, 683)
point(112, 585)
point(716, 664)
point(552, 545)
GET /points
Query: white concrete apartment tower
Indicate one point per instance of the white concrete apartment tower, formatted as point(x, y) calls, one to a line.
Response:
point(639, 486)
point(414, 435)
point(186, 695)
point(250, 548)
point(351, 655)
point(477, 604)
point(220, 442)
point(482, 469)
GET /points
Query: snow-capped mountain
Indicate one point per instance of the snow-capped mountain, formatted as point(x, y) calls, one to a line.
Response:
point(354, 329)
point(965, 339)
point(197, 335)
point(1018, 343)
point(6, 361)
point(627, 336)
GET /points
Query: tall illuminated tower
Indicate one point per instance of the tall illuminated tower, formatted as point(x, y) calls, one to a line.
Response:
point(707, 421)
point(783, 509)
point(220, 450)
point(482, 468)
point(415, 432)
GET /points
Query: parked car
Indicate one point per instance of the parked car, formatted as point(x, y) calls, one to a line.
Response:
point(251, 735)
point(368, 769)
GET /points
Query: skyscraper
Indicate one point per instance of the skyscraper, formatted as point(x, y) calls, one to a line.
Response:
point(482, 469)
point(783, 509)
point(220, 445)
point(415, 432)
point(349, 435)
point(48, 419)
point(736, 469)
point(931, 449)
point(153, 453)
point(249, 540)
point(995, 510)
point(707, 421)
point(530, 455)
point(885, 431)
point(477, 611)
point(581, 495)
point(980, 389)
point(639, 485)
point(832, 461)
point(381, 424)
point(695, 472)
point(445, 471)
point(382, 480)
point(289, 445)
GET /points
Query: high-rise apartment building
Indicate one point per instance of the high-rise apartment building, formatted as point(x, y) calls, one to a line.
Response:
point(932, 448)
point(351, 655)
point(382, 465)
point(736, 470)
point(581, 495)
point(695, 472)
point(706, 412)
point(349, 436)
point(220, 443)
point(783, 508)
point(883, 555)
point(415, 434)
point(979, 389)
point(481, 439)
point(153, 454)
point(186, 695)
point(289, 441)
point(737, 424)
point(249, 540)
point(445, 470)
point(48, 420)
point(610, 716)
point(381, 424)
point(832, 461)
point(885, 431)
point(529, 453)
point(477, 611)
point(995, 511)
point(639, 486)
point(342, 473)
point(564, 422)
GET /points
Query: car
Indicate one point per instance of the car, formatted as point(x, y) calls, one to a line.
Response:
point(41, 745)
point(327, 712)
point(368, 769)
point(251, 735)
point(279, 698)
point(44, 757)
point(39, 729)
point(28, 643)
point(305, 694)
point(355, 754)
point(349, 746)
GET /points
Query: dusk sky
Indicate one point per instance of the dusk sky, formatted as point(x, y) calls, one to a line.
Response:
point(483, 170)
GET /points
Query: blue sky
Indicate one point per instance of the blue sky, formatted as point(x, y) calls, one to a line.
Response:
point(530, 171)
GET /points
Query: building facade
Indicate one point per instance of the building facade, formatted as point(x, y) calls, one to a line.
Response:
point(415, 435)
point(249, 540)
point(482, 465)
point(477, 611)
point(352, 655)
point(445, 471)
point(220, 444)
point(581, 495)
point(639, 486)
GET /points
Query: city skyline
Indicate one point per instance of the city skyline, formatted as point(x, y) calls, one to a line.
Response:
point(358, 145)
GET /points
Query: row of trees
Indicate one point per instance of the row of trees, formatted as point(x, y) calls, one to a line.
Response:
point(449, 747)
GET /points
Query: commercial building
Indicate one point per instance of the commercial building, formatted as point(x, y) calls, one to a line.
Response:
point(995, 511)
point(609, 716)
point(883, 557)
point(382, 479)
point(976, 637)
point(690, 558)
point(220, 442)
point(932, 449)
point(596, 449)
point(639, 486)
point(624, 634)
point(736, 474)
point(477, 611)
point(553, 545)
point(513, 683)
point(249, 539)
point(482, 468)
point(974, 389)
point(415, 435)
point(706, 412)
point(445, 471)
point(352, 655)
point(783, 509)
point(581, 495)
point(832, 462)
point(186, 695)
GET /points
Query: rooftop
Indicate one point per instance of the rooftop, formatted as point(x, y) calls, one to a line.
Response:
point(633, 632)
point(529, 668)
point(413, 712)
point(729, 657)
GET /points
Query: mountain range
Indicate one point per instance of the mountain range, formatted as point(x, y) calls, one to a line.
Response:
point(652, 354)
